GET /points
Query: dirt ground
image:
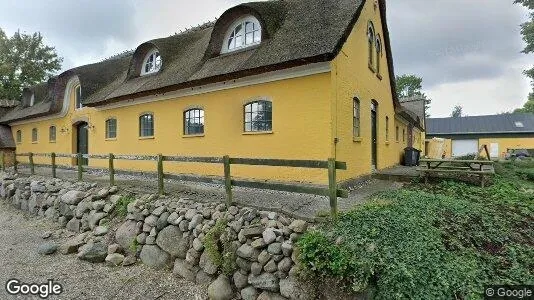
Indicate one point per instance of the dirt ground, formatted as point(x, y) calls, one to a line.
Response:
point(20, 235)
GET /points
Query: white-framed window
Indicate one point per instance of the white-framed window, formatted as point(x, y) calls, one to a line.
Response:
point(146, 125)
point(356, 117)
point(258, 116)
point(111, 128)
point(152, 63)
point(194, 121)
point(34, 135)
point(32, 100)
point(371, 43)
point(52, 134)
point(78, 96)
point(243, 33)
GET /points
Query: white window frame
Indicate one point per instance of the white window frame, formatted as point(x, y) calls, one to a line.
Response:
point(154, 55)
point(233, 27)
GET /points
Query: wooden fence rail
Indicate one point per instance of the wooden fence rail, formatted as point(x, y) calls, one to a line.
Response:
point(332, 191)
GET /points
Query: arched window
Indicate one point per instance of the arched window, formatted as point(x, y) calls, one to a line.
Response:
point(152, 63)
point(194, 121)
point(371, 43)
point(52, 133)
point(244, 33)
point(378, 53)
point(387, 128)
point(356, 117)
point(258, 116)
point(19, 136)
point(111, 128)
point(146, 125)
point(78, 96)
point(34, 135)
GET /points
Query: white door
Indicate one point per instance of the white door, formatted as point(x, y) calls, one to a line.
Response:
point(494, 150)
point(464, 147)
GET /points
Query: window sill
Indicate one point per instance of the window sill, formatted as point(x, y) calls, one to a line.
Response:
point(387, 143)
point(52, 142)
point(257, 132)
point(357, 139)
point(111, 139)
point(35, 142)
point(146, 137)
point(188, 136)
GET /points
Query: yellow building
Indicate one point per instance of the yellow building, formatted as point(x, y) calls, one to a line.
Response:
point(500, 133)
point(293, 79)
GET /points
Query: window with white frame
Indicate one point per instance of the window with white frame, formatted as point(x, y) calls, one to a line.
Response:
point(34, 135)
point(111, 128)
point(52, 134)
point(258, 116)
point(194, 121)
point(371, 43)
point(378, 53)
point(146, 125)
point(356, 117)
point(152, 63)
point(244, 33)
point(78, 96)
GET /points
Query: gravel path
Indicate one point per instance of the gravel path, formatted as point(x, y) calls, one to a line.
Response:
point(21, 235)
point(299, 206)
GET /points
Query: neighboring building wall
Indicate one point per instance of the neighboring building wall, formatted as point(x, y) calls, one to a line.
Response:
point(402, 142)
point(9, 155)
point(504, 144)
point(351, 77)
point(301, 130)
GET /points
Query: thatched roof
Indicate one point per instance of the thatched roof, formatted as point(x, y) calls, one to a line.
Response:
point(295, 32)
point(6, 138)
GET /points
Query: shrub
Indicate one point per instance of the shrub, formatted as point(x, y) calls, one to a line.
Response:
point(122, 205)
point(223, 255)
point(430, 242)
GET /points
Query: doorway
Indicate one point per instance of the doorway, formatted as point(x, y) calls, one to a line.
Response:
point(82, 141)
point(374, 142)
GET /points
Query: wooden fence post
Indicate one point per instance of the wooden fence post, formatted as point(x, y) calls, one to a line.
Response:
point(3, 161)
point(111, 170)
point(332, 187)
point(80, 167)
point(15, 167)
point(53, 156)
point(160, 174)
point(227, 180)
point(32, 168)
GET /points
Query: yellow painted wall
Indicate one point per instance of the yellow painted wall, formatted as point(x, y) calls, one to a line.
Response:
point(351, 78)
point(301, 130)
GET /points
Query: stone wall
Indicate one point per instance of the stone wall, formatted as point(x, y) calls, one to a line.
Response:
point(237, 252)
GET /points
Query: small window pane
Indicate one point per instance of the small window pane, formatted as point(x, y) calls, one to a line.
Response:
point(239, 30)
point(258, 116)
point(52, 134)
point(249, 38)
point(239, 41)
point(146, 125)
point(194, 122)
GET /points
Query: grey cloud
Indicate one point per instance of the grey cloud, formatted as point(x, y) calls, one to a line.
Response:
point(443, 41)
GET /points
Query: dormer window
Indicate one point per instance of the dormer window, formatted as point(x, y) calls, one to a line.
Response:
point(152, 63)
point(32, 100)
point(244, 33)
point(519, 124)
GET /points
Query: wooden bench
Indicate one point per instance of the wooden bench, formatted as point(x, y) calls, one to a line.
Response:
point(482, 168)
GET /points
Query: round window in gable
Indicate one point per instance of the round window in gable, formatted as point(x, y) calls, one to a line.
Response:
point(243, 33)
point(152, 63)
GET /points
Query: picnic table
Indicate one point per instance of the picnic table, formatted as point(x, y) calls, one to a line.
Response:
point(482, 168)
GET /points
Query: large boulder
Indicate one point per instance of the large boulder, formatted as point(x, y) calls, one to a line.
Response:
point(292, 289)
point(220, 289)
point(93, 252)
point(265, 281)
point(126, 234)
point(153, 256)
point(36, 186)
point(72, 245)
point(74, 225)
point(172, 241)
point(73, 197)
point(47, 248)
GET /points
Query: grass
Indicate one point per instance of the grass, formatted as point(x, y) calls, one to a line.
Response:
point(122, 205)
point(443, 241)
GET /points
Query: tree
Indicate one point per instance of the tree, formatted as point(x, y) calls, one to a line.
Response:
point(527, 31)
point(409, 85)
point(457, 111)
point(25, 61)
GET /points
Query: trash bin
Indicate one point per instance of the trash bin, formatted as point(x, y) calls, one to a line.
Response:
point(411, 156)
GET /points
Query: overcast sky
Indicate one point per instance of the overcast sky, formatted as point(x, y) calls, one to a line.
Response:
point(467, 51)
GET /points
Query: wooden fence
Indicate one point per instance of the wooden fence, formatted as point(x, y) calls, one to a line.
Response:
point(332, 191)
